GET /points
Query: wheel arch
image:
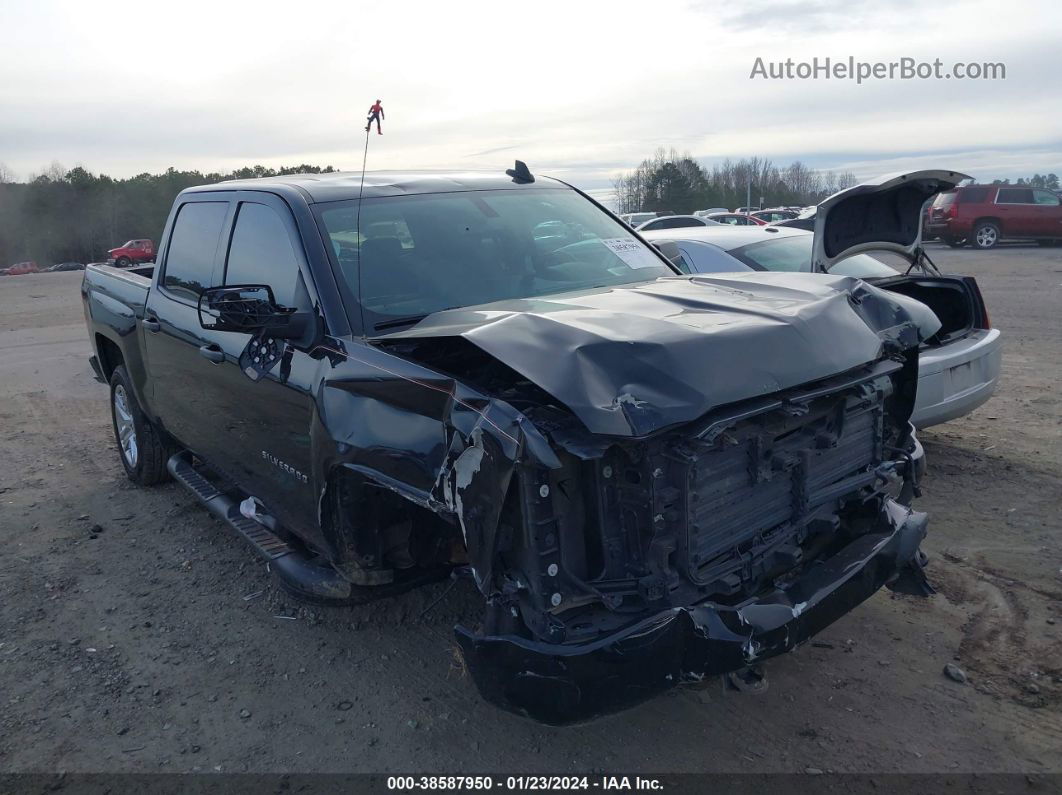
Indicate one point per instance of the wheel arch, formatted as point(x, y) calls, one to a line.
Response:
point(993, 219)
point(358, 507)
point(109, 353)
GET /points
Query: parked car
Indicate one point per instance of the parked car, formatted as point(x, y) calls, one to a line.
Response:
point(66, 266)
point(984, 215)
point(958, 367)
point(132, 252)
point(736, 219)
point(20, 268)
point(805, 220)
point(633, 220)
point(772, 215)
point(650, 477)
point(675, 222)
point(710, 211)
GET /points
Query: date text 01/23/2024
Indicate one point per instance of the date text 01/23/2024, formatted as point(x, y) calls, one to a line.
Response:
point(540, 783)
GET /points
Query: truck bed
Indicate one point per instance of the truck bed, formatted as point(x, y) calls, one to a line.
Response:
point(114, 301)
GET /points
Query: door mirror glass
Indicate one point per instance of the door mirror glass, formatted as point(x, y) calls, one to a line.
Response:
point(249, 308)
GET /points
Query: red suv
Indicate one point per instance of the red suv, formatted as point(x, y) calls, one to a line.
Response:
point(982, 215)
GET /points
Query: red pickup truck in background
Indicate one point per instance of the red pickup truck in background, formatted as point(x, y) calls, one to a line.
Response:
point(132, 253)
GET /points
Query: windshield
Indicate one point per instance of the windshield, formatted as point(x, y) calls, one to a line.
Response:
point(422, 254)
point(794, 254)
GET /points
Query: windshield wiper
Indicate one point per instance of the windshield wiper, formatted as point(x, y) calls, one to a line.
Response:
point(412, 320)
point(399, 321)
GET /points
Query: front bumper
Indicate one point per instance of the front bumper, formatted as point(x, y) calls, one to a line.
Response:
point(557, 683)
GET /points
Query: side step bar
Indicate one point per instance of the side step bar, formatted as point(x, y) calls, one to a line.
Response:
point(298, 574)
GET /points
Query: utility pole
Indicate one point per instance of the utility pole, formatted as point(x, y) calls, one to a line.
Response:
point(748, 192)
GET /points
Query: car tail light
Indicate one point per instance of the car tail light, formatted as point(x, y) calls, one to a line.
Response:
point(981, 319)
point(953, 211)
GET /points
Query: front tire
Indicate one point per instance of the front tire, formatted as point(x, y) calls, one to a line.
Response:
point(122, 262)
point(985, 235)
point(141, 447)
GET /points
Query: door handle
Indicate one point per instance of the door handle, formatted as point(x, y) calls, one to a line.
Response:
point(151, 324)
point(213, 353)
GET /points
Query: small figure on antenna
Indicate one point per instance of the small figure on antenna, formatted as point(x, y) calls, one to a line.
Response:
point(375, 114)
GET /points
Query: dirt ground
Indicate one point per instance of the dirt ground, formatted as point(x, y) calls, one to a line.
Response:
point(137, 634)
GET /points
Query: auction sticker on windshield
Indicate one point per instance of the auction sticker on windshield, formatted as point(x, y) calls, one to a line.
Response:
point(632, 252)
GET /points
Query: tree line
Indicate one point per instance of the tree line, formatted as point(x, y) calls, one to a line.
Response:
point(669, 181)
point(74, 215)
point(1046, 181)
point(62, 215)
point(673, 182)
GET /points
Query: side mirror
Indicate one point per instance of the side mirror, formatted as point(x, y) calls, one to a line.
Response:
point(249, 309)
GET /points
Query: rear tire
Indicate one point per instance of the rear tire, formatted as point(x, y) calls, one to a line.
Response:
point(122, 262)
point(141, 448)
point(985, 235)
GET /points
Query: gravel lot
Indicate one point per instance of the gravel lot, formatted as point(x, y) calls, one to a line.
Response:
point(136, 634)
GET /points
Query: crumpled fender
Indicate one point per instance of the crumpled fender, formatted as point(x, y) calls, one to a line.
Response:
point(428, 438)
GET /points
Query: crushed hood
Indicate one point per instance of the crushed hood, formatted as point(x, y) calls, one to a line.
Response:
point(629, 361)
point(882, 215)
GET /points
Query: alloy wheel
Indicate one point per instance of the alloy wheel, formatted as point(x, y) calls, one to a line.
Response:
point(986, 237)
point(123, 420)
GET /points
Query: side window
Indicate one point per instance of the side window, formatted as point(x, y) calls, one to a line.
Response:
point(193, 245)
point(973, 196)
point(709, 259)
point(1014, 196)
point(261, 253)
point(1045, 197)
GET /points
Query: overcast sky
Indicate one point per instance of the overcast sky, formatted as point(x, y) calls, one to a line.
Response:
point(578, 89)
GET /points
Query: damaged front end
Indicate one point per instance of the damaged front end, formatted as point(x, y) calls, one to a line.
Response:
point(700, 552)
point(616, 565)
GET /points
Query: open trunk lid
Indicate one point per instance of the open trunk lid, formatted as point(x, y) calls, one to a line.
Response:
point(882, 215)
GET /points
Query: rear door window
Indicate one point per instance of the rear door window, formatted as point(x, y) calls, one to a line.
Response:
point(706, 258)
point(1045, 197)
point(193, 248)
point(973, 196)
point(1014, 196)
point(261, 252)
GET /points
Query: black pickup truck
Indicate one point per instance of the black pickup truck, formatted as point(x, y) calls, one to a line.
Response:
point(651, 476)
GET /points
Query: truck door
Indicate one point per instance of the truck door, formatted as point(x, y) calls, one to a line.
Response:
point(265, 424)
point(1017, 212)
point(1048, 214)
point(172, 334)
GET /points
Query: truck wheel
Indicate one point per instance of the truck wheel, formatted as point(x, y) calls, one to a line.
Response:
point(122, 262)
point(140, 446)
point(986, 235)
